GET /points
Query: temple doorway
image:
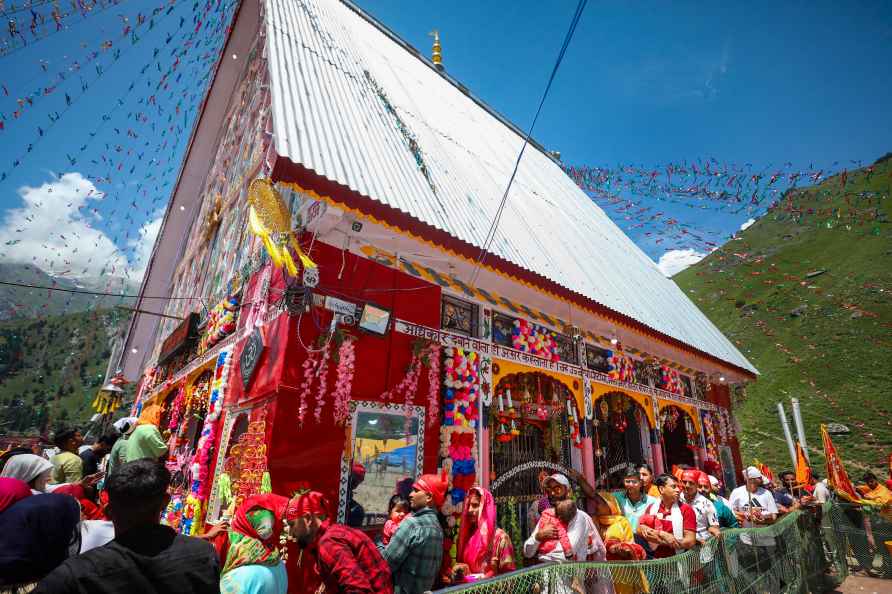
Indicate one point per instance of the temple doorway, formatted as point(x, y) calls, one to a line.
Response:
point(621, 437)
point(679, 437)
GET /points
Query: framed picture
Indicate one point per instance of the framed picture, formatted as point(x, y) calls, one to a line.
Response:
point(597, 359)
point(458, 316)
point(387, 442)
point(374, 319)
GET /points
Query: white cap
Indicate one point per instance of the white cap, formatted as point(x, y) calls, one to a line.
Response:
point(753, 473)
point(125, 425)
point(714, 481)
point(559, 478)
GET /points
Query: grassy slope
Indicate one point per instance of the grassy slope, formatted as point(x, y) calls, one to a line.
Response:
point(836, 357)
point(50, 370)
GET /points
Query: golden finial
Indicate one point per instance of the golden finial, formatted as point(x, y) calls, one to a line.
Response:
point(437, 53)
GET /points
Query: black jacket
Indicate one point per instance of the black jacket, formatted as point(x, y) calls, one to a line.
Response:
point(149, 560)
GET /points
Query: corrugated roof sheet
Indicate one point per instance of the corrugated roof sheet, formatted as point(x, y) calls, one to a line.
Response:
point(360, 108)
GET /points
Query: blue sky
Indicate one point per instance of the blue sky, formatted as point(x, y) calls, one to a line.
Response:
point(642, 84)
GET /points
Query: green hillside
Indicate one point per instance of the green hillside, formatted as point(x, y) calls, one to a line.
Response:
point(806, 294)
point(51, 369)
point(24, 302)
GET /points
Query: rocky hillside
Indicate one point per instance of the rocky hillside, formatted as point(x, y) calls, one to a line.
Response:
point(806, 294)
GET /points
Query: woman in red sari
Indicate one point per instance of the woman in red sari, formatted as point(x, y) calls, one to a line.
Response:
point(484, 549)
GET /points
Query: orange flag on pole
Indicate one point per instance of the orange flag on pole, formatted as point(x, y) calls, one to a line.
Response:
point(836, 474)
point(803, 471)
point(763, 468)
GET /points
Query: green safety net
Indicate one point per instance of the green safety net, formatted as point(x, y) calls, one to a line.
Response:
point(806, 551)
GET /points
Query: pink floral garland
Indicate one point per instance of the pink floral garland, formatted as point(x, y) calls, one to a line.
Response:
point(433, 384)
point(310, 365)
point(344, 382)
point(322, 374)
point(176, 409)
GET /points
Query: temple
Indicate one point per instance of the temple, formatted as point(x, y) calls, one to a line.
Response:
point(331, 297)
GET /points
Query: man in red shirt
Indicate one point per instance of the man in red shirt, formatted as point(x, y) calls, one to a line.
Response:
point(669, 526)
point(347, 560)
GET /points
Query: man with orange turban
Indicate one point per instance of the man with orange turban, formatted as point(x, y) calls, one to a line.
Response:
point(415, 552)
point(346, 559)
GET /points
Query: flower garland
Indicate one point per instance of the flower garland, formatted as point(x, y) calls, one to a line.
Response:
point(176, 409)
point(670, 380)
point(310, 365)
point(173, 513)
point(709, 433)
point(322, 374)
point(461, 371)
point(203, 456)
point(344, 381)
point(433, 382)
point(534, 339)
point(621, 367)
point(221, 323)
point(458, 449)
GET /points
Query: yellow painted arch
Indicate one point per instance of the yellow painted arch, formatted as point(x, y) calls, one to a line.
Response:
point(687, 408)
point(574, 384)
point(599, 390)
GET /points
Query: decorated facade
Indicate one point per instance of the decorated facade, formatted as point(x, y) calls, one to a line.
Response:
point(343, 312)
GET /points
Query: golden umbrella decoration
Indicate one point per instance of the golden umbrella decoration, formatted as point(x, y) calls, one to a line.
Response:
point(270, 219)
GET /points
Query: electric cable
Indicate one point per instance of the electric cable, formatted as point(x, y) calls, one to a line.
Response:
point(490, 236)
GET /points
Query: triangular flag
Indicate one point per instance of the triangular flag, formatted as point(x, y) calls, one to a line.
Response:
point(803, 471)
point(836, 474)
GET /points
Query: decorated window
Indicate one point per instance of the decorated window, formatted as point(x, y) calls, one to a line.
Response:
point(597, 359)
point(458, 316)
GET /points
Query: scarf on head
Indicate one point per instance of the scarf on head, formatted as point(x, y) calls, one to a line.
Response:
point(26, 467)
point(476, 548)
point(254, 532)
point(37, 534)
point(12, 490)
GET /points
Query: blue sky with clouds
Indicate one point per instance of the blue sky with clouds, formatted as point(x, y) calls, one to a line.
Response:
point(644, 84)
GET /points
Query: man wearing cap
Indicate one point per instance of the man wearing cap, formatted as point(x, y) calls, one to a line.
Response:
point(709, 486)
point(754, 507)
point(355, 512)
point(118, 453)
point(415, 551)
point(346, 559)
point(707, 518)
point(583, 537)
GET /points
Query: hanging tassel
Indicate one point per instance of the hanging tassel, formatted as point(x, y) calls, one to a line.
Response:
point(266, 483)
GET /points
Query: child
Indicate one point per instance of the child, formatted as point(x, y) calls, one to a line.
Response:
point(399, 509)
point(558, 518)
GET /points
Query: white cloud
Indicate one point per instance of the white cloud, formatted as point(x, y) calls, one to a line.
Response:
point(674, 261)
point(746, 225)
point(52, 229)
point(143, 244)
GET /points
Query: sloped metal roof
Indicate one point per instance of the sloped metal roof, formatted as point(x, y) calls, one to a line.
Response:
point(358, 106)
